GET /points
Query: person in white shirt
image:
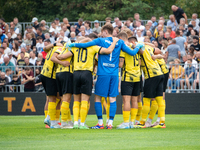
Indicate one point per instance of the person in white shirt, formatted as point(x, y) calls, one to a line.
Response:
point(62, 33)
point(6, 48)
point(195, 26)
point(8, 73)
point(13, 34)
point(194, 62)
point(15, 51)
point(12, 59)
point(64, 28)
point(40, 44)
point(139, 36)
point(33, 58)
point(54, 28)
point(139, 27)
point(116, 19)
point(82, 28)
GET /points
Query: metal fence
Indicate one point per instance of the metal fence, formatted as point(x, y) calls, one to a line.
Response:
point(180, 78)
point(101, 23)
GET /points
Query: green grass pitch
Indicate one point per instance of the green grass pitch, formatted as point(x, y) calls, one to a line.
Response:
point(28, 132)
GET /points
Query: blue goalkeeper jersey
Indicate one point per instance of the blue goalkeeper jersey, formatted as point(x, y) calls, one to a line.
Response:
point(108, 64)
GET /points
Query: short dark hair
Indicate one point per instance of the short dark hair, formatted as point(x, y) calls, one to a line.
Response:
point(132, 38)
point(108, 27)
point(88, 22)
point(80, 19)
point(39, 37)
point(108, 18)
point(2, 19)
point(190, 59)
point(174, 41)
point(27, 68)
point(8, 69)
point(15, 76)
point(177, 32)
point(40, 29)
point(123, 35)
point(16, 39)
point(92, 36)
point(2, 48)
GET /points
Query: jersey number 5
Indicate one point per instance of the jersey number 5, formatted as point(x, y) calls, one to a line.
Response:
point(81, 52)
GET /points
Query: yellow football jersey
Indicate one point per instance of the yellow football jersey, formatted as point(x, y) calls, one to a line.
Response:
point(131, 67)
point(163, 65)
point(149, 67)
point(84, 57)
point(61, 68)
point(49, 68)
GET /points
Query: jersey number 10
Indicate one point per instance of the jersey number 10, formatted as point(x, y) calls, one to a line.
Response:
point(81, 52)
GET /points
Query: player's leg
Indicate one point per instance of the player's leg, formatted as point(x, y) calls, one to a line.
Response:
point(113, 92)
point(83, 112)
point(101, 90)
point(153, 110)
point(47, 117)
point(107, 110)
point(139, 113)
point(58, 105)
point(46, 107)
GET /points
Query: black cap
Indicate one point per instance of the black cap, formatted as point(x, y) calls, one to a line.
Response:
point(57, 19)
point(190, 25)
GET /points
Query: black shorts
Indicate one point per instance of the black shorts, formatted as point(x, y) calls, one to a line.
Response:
point(64, 82)
point(49, 85)
point(166, 76)
point(82, 81)
point(141, 84)
point(153, 87)
point(130, 88)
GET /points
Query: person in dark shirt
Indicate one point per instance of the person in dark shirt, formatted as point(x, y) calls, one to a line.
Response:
point(26, 60)
point(28, 80)
point(21, 61)
point(3, 81)
point(196, 44)
point(78, 25)
point(15, 81)
point(39, 33)
point(190, 28)
point(35, 23)
point(179, 13)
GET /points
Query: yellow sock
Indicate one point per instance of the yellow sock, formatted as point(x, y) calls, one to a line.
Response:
point(64, 111)
point(164, 103)
point(134, 112)
point(126, 115)
point(69, 116)
point(145, 109)
point(57, 114)
point(139, 111)
point(45, 113)
point(52, 110)
point(153, 110)
point(161, 108)
point(76, 110)
point(102, 101)
point(108, 108)
point(83, 110)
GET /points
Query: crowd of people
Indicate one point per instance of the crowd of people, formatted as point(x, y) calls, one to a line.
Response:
point(22, 55)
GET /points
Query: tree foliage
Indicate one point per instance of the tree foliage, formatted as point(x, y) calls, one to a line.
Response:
point(25, 10)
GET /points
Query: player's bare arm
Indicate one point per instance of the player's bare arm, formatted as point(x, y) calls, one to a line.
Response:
point(111, 48)
point(48, 47)
point(64, 56)
point(121, 62)
point(57, 61)
point(150, 44)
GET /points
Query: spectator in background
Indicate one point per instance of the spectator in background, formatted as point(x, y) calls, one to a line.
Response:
point(149, 34)
point(137, 18)
point(62, 33)
point(182, 23)
point(176, 75)
point(190, 28)
point(196, 82)
point(182, 34)
point(40, 44)
point(15, 50)
point(4, 26)
point(28, 80)
point(96, 28)
point(164, 47)
point(33, 58)
point(196, 44)
point(194, 62)
point(54, 28)
point(6, 48)
point(83, 29)
point(181, 42)
point(195, 17)
point(8, 44)
point(13, 34)
point(2, 36)
point(3, 81)
point(15, 81)
point(25, 53)
point(40, 56)
point(58, 25)
point(7, 64)
point(44, 29)
point(8, 73)
point(12, 25)
point(28, 39)
point(157, 30)
point(116, 19)
point(1, 56)
point(154, 23)
point(11, 58)
point(108, 20)
point(139, 27)
point(66, 30)
point(66, 23)
point(172, 33)
point(195, 26)
point(73, 29)
point(17, 25)
point(161, 35)
point(21, 61)
point(128, 24)
point(47, 36)
point(139, 36)
point(35, 23)
point(73, 36)
point(173, 51)
point(155, 43)
point(78, 25)
point(88, 27)
point(147, 27)
point(43, 22)
point(33, 40)
point(178, 13)
point(27, 63)
point(39, 33)
point(172, 22)
point(28, 48)
point(190, 74)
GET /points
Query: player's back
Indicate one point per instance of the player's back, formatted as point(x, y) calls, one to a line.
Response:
point(84, 57)
point(163, 65)
point(49, 68)
point(108, 64)
point(150, 67)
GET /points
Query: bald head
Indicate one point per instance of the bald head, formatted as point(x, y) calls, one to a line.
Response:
point(3, 75)
point(174, 8)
